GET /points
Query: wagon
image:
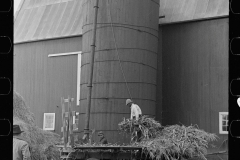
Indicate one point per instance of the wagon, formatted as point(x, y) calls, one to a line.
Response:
point(102, 152)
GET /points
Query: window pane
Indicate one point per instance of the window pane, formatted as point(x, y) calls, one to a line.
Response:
point(224, 117)
point(224, 123)
point(224, 128)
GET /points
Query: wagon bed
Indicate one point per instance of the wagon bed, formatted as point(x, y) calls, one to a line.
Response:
point(102, 152)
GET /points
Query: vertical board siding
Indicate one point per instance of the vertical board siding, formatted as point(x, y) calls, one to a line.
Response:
point(159, 94)
point(43, 80)
point(195, 73)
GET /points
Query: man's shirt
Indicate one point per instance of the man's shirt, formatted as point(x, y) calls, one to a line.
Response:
point(135, 111)
point(20, 150)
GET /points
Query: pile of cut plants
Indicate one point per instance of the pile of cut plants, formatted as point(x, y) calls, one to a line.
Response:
point(42, 143)
point(174, 142)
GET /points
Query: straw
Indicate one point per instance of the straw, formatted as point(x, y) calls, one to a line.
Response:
point(42, 143)
point(169, 142)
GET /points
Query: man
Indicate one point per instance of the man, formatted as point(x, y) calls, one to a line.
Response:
point(136, 112)
point(102, 140)
point(20, 147)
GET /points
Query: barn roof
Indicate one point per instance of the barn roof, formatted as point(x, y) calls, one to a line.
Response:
point(48, 19)
point(185, 10)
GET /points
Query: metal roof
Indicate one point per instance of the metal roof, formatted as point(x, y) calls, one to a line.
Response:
point(47, 19)
point(185, 10)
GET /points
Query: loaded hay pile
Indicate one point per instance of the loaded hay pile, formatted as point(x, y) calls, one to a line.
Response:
point(148, 127)
point(171, 142)
point(41, 143)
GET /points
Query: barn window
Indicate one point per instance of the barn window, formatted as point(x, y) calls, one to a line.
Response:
point(49, 121)
point(223, 122)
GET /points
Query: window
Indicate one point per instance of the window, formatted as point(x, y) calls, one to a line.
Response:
point(49, 121)
point(223, 122)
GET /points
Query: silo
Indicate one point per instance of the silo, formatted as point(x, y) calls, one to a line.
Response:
point(135, 27)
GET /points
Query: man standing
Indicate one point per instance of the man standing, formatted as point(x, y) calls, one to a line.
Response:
point(20, 147)
point(135, 109)
point(102, 140)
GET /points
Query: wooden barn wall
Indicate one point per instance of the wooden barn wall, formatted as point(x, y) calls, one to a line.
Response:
point(194, 82)
point(43, 80)
point(159, 105)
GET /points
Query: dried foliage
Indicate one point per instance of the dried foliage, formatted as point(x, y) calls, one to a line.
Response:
point(41, 143)
point(21, 110)
point(143, 128)
point(170, 142)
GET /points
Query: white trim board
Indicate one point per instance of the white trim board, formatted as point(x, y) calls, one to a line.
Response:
point(78, 79)
point(64, 54)
point(79, 54)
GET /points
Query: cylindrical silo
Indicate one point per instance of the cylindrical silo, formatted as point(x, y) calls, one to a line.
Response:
point(135, 26)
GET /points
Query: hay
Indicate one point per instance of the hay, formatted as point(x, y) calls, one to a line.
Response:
point(41, 143)
point(170, 142)
point(146, 126)
point(21, 110)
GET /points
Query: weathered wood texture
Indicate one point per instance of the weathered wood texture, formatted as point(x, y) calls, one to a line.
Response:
point(43, 80)
point(195, 73)
point(135, 25)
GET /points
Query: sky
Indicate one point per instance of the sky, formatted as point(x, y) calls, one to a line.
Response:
point(16, 3)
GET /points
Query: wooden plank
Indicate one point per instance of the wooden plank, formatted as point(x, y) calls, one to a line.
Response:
point(109, 147)
point(64, 54)
point(103, 155)
point(64, 122)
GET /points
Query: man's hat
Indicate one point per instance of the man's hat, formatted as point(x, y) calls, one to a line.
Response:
point(16, 129)
point(100, 133)
point(128, 101)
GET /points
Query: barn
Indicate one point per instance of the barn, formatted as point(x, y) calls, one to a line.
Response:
point(174, 55)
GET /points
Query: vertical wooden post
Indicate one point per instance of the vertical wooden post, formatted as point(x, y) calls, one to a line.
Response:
point(64, 123)
point(68, 118)
point(86, 129)
point(67, 129)
point(70, 113)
